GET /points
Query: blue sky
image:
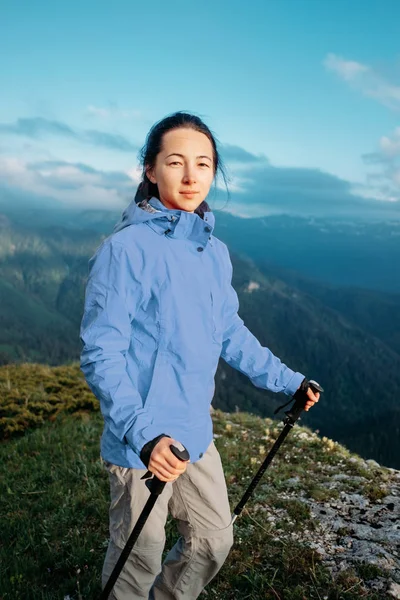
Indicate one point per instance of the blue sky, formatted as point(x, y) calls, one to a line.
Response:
point(303, 96)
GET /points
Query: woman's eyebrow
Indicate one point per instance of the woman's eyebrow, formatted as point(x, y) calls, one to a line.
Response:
point(181, 155)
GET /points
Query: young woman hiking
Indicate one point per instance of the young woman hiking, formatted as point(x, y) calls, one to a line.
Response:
point(159, 312)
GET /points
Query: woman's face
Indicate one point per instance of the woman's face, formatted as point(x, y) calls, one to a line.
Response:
point(185, 163)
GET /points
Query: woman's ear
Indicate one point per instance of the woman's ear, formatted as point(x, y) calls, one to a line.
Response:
point(150, 176)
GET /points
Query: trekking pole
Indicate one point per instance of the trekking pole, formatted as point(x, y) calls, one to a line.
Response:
point(155, 486)
point(300, 398)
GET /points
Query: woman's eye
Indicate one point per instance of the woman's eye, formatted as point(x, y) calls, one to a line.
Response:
point(176, 162)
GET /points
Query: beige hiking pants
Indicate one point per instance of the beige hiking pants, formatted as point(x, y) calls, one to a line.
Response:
point(198, 500)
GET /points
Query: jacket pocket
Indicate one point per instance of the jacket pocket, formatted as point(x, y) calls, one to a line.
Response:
point(159, 387)
point(146, 335)
point(216, 318)
point(217, 327)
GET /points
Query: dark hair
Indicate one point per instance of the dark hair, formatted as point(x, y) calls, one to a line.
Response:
point(152, 147)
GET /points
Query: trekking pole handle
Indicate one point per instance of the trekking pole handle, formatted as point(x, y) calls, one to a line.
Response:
point(301, 399)
point(180, 453)
point(154, 484)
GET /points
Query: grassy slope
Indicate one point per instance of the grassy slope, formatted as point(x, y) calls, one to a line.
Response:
point(54, 507)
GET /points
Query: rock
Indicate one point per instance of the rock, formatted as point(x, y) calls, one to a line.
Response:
point(318, 548)
point(372, 463)
point(355, 499)
point(379, 584)
point(340, 476)
point(394, 590)
point(292, 481)
point(349, 478)
point(354, 529)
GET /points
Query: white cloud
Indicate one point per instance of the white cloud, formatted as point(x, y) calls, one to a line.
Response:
point(385, 181)
point(396, 177)
point(66, 183)
point(135, 173)
point(348, 70)
point(11, 167)
point(14, 172)
point(255, 191)
point(369, 81)
point(68, 175)
point(390, 146)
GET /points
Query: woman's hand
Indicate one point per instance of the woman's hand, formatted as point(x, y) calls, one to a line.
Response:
point(163, 463)
point(312, 399)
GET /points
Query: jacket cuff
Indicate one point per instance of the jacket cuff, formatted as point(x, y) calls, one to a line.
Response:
point(137, 438)
point(294, 384)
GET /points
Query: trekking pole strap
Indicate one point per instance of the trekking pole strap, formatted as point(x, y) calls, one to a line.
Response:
point(301, 398)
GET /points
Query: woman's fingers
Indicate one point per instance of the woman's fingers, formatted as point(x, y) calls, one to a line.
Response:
point(163, 463)
point(312, 399)
point(312, 396)
point(161, 470)
point(163, 475)
point(163, 460)
point(173, 462)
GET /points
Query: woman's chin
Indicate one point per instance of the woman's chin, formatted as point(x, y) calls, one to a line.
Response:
point(184, 203)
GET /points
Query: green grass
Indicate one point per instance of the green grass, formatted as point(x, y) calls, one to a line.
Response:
point(54, 500)
point(31, 394)
point(54, 526)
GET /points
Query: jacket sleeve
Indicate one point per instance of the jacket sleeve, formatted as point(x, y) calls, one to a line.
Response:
point(242, 350)
point(106, 336)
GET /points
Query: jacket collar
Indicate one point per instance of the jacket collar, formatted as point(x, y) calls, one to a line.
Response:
point(180, 224)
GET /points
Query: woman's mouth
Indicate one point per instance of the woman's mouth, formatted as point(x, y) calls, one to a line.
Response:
point(188, 193)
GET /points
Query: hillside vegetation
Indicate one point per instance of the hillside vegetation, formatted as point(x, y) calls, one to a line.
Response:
point(320, 525)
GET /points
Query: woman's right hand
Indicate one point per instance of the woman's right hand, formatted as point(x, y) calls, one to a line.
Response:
point(163, 463)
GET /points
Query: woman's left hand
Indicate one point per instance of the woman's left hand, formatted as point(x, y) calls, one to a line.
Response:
point(312, 399)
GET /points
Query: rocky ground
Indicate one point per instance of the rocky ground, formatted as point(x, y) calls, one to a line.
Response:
point(357, 520)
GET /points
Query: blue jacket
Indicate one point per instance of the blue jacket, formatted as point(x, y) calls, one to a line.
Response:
point(159, 312)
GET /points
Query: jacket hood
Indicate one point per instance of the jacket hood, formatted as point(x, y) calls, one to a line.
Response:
point(175, 222)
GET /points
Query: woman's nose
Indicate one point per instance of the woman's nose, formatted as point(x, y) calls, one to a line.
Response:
point(188, 176)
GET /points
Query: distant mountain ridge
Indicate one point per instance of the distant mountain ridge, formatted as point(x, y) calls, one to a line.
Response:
point(341, 253)
point(376, 312)
point(338, 252)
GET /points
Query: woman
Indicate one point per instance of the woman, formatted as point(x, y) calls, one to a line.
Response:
point(159, 312)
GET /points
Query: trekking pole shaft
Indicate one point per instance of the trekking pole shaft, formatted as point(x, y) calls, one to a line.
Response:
point(293, 415)
point(156, 487)
point(128, 547)
point(239, 507)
